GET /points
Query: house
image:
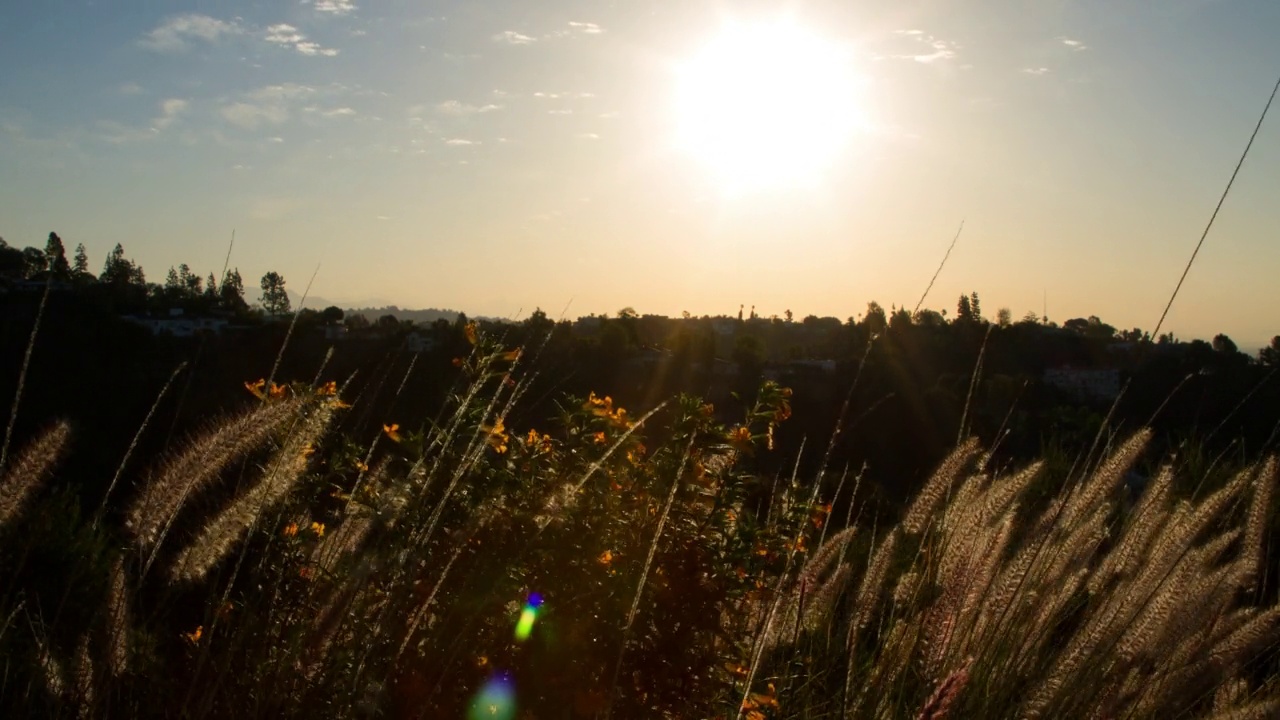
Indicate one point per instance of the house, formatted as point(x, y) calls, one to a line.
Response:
point(1085, 383)
point(176, 324)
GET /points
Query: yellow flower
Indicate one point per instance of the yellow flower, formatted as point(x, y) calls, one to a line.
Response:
point(497, 436)
point(317, 528)
point(470, 331)
point(194, 636)
point(740, 438)
point(277, 391)
point(392, 431)
point(361, 466)
point(256, 388)
point(291, 529)
point(601, 408)
point(619, 419)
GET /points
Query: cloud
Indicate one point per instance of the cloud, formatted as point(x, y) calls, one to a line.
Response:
point(176, 33)
point(1073, 44)
point(511, 37)
point(267, 105)
point(459, 109)
point(169, 111)
point(286, 35)
point(937, 49)
point(1036, 71)
point(339, 112)
point(334, 7)
point(586, 28)
point(459, 142)
point(130, 88)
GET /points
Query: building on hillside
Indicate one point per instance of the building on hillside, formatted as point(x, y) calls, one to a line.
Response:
point(1085, 383)
point(177, 324)
point(416, 342)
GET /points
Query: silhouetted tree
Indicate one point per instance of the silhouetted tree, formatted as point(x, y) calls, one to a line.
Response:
point(231, 292)
point(12, 264)
point(1004, 317)
point(875, 319)
point(331, 315)
point(56, 258)
point(80, 268)
point(964, 310)
point(119, 271)
point(274, 299)
point(1224, 344)
point(975, 308)
point(1270, 355)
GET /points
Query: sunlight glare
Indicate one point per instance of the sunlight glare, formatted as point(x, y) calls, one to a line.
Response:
point(767, 106)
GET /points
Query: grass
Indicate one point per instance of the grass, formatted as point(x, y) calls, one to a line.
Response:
point(271, 567)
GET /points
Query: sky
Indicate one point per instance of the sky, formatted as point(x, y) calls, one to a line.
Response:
point(501, 155)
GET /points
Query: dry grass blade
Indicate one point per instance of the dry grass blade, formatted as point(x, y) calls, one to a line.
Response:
point(30, 470)
point(200, 464)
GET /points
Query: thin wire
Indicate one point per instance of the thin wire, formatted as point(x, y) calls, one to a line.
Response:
point(1221, 200)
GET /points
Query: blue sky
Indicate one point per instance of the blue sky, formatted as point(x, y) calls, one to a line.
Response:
point(497, 156)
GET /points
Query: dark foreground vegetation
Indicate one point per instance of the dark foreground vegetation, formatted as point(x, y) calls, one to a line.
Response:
point(895, 516)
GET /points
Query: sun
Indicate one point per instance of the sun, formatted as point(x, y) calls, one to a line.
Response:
point(767, 106)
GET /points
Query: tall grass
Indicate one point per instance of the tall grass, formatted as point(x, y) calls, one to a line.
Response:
point(673, 581)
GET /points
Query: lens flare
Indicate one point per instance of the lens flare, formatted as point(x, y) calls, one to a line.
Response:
point(524, 626)
point(495, 701)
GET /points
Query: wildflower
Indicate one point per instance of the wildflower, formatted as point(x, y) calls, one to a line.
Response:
point(392, 431)
point(257, 388)
point(740, 438)
point(497, 436)
point(338, 404)
point(470, 332)
point(605, 558)
point(277, 391)
point(194, 636)
point(599, 438)
point(317, 528)
point(619, 419)
point(361, 466)
point(512, 355)
point(599, 407)
point(457, 362)
point(308, 450)
point(329, 389)
point(291, 529)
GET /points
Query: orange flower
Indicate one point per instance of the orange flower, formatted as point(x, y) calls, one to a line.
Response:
point(599, 438)
point(277, 391)
point(512, 355)
point(599, 407)
point(619, 419)
point(605, 558)
point(457, 362)
point(497, 436)
point(740, 438)
point(291, 529)
point(257, 388)
point(337, 404)
point(470, 332)
point(361, 466)
point(392, 431)
point(308, 451)
point(317, 528)
point(328, 389)
point(194, 636)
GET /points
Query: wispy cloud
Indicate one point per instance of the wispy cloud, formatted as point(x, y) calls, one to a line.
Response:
point(130, 88)
point(564, 95)
point(511, 37)
point(267, 105)
point(1073, 44)
point(177, 33)
point(170, 110)
point(338, 112)
point(334, 7)
point(459, 142)
point(286, 35)
point(586, 28)
point(1037, 71)
point(460, 109)
point(937, 49)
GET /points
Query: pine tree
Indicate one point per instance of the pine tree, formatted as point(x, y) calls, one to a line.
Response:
point(964, 310)
point(975, 308)
point(81, 268)
point(231, 292)
point(56, 257)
